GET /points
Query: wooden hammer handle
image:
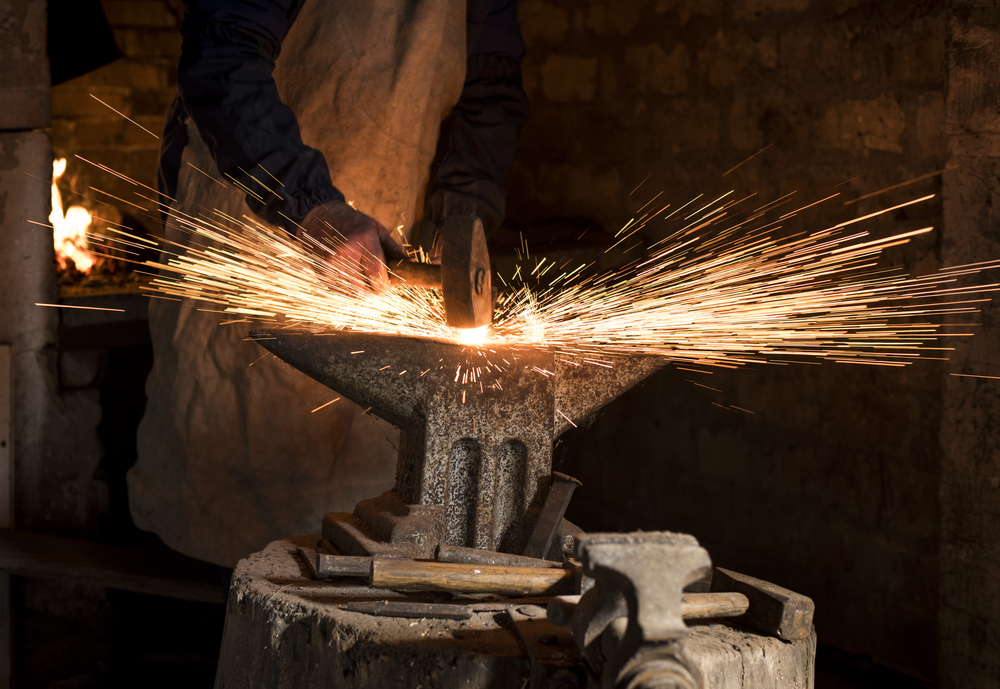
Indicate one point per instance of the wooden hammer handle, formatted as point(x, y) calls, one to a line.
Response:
point(694, 606)
point(408, 575)
point(415, 274)
point(698, 606)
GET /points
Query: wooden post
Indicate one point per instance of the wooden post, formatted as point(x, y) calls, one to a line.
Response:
point(6, 508)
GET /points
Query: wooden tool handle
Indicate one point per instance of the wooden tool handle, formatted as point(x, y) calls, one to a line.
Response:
point(459, 578)
point(697, 606)
point(414, 274)
point(694, 606)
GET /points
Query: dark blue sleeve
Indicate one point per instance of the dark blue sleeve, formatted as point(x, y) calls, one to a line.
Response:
point(491, 28)
point(476, 146)
point(226, 85)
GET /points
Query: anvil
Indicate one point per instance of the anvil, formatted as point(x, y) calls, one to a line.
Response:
point(478, 426)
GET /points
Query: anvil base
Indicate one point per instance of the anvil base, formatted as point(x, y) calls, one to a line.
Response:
point(287, 631)
point(388, 527)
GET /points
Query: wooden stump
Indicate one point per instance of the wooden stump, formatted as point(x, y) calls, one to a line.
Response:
point(286, 631)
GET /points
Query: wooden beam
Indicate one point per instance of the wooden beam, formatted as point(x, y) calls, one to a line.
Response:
point(159, 573)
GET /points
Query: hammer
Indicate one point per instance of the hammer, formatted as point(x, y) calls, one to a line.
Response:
point(463, 276)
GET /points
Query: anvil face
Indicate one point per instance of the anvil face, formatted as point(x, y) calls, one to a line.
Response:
point(478, 422)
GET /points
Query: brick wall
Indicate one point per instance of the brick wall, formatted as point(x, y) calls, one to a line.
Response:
point(970, 476)
point(141, 85)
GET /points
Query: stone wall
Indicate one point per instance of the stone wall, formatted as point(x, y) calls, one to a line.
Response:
point(970, 476)
point(25, 83)
point(830, 486)
point(27, 274)
point(62, 485)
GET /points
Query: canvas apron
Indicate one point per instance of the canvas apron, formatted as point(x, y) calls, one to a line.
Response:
point(230, 457)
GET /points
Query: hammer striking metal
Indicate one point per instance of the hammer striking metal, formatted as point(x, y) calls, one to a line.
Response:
point(463, 277)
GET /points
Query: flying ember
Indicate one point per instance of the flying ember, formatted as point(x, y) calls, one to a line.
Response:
point(706, 295)
point(718, 291)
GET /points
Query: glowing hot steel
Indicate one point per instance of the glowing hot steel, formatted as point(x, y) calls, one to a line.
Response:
point(473, 336)
point(69, 228)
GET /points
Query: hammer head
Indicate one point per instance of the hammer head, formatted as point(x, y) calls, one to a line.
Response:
point(465, 273)
point(773, 610)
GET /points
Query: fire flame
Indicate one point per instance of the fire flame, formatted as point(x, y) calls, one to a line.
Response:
point(70, 227)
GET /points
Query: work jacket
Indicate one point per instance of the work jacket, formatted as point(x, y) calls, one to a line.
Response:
point(226, 87)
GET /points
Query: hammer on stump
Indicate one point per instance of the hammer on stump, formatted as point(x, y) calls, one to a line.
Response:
point(753, 603)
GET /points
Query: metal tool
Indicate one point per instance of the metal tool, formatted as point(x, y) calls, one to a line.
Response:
point(464, 276)
point(391, 608)
point(629, 625)
point(474, 477)
point(771, 609)
point(551, 516)
point(639, 577)
point(475, 461)
point(323, 565)
point(753, 603)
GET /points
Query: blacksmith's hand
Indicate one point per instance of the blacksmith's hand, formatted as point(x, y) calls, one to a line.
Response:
point(361, 244)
